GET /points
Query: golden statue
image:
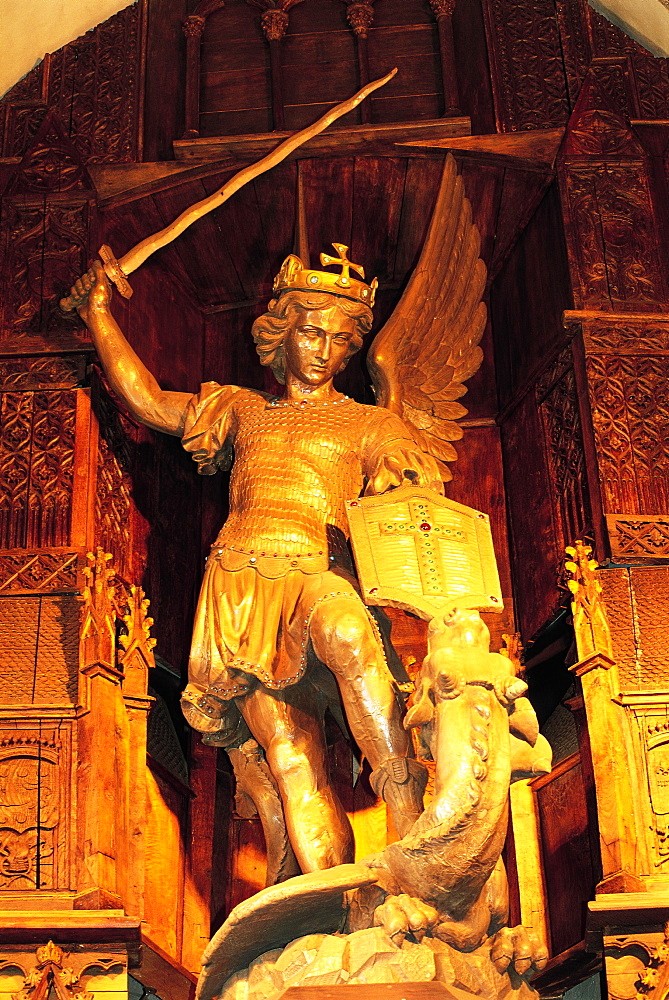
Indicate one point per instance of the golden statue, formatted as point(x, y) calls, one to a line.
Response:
point(280, 609)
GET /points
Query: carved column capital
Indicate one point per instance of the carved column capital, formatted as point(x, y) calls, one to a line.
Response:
point(193, 26)
point(442, 8)
point(360, 16)
point(274, 24)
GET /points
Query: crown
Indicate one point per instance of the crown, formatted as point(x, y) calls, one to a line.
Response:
point(295, 276)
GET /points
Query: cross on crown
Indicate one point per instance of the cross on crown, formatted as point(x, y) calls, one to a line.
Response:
point(346, 265)
point(295, 276)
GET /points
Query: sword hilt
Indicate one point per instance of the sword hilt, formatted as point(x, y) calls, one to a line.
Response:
point(114, 272)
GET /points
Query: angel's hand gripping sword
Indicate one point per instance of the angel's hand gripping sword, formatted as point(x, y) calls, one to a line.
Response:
point(118, 270)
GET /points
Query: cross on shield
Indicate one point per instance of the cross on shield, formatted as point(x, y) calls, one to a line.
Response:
point(417, 550)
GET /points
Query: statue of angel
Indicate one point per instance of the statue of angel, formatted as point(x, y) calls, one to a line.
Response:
point(280, 611)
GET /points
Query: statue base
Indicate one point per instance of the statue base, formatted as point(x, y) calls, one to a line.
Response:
point(369, 964)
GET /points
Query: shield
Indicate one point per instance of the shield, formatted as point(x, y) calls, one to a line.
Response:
point(415, 549)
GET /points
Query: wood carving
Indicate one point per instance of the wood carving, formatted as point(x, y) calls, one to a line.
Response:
point(136, 656)
point(46, 213)
point(97, 641)
point(37, 457)
point(635, 538)
point(24, 571)
point(629, 409)
point(590, 621)
point(41, 372)
point(360, 16)
point(105, 121)
point(113, 503)
point(443, 883)
point(522, 36)
point(31, 819)
point(52, 977)
point(558, 405)
point(193, 28)
point(443, 12)
point(274, 24)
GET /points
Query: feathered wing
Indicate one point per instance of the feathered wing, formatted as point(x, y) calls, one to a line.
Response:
point(428, 349)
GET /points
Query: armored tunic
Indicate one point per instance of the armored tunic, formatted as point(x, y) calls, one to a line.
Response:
point(283, 548)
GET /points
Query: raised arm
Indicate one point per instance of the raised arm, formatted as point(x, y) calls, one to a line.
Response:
point(127, 375)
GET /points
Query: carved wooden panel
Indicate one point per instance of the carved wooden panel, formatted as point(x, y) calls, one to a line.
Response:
point(37, 468)
point(95, 83)
point(528, 76)
point(25, 571)
point(42, 253)
point(35, 806)
point(113, 504)
point(651, 721)
point(39, 641)
point(22, 118)
point(565, 848)
point(630, 411)
point(637, 604)
point(558, 404)
point(46, 371)
point(633, 538)
point(613, 245)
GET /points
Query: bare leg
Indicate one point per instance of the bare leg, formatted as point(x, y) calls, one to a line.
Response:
point(288, 726)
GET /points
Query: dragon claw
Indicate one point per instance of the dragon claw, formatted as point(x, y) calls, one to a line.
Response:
point(517, 947)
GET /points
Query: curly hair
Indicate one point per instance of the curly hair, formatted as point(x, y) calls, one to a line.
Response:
point(270, 329)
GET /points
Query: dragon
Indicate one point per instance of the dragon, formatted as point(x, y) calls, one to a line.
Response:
point(445, 879)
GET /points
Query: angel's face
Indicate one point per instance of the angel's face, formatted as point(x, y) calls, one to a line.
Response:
point(317, 344)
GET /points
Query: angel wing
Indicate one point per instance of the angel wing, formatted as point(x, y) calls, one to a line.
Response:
point(427, 350)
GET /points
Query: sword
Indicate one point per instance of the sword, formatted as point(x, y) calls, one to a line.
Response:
point(119, 270)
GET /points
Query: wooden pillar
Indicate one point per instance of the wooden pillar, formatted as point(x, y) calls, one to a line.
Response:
point(443, 11)
point(193, 29)
point(361, 17)
point(274, 23)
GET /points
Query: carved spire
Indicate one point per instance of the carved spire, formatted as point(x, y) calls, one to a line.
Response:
point(137, 657)
point(97, 639)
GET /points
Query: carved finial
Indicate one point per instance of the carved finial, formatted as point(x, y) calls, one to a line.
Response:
point(137, 656)
point(49, 952)
point(274, 19)
point(360, 15)
point(97, 639)
point(590, 622)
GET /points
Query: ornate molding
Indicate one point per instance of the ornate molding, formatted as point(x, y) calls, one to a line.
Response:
point(360, 15)
point(193, 26)
point(442, 8)
point(37, 572)
point(636, 537)
point(51, 974)
point(26, 373)
point(274, 18)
